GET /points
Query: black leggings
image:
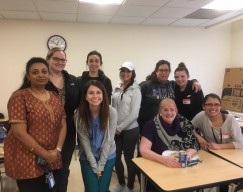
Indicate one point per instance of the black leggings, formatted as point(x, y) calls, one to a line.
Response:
point(33, 185)
point(126, 143)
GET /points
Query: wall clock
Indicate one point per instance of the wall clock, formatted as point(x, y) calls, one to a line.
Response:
point(56, 41)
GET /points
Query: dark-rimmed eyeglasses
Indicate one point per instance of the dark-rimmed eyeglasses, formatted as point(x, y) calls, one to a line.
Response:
point(212, 104)
point(57, 59)
point(163, 70)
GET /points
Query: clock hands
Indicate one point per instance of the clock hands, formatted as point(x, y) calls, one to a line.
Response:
point(54, 42)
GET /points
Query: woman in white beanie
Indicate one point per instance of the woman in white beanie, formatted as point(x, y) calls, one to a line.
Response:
point(126, 99)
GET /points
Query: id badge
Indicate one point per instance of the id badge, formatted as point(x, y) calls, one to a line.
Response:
point(225, 135)
point(50, 179)
point(186, 101)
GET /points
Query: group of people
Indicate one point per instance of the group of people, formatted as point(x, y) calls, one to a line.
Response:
point(52, 106)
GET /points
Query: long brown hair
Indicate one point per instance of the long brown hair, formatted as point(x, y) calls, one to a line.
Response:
point(84, 110)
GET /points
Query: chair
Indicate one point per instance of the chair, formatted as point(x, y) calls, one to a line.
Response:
point(2, 166)
point(239, 187)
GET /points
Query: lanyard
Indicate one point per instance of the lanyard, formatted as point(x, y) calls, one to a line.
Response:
point(221, 136)
point(221, 139)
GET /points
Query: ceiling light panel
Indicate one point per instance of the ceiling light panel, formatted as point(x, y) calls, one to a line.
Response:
point(225, 5)
point(103, 2)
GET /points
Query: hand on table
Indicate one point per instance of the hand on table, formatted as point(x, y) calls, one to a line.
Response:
point(170, 162)
point(214, 146)
point(204, 144)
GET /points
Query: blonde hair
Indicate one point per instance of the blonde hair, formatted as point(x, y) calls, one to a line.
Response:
point(167, 100)
point(52, 51)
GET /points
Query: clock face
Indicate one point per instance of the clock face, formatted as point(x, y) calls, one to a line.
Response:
point(56, 41)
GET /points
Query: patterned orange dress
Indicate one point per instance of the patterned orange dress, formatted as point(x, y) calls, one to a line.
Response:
point(43, 119)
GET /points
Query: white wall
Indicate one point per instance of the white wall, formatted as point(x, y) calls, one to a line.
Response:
point(237, 44)
point(205, 51)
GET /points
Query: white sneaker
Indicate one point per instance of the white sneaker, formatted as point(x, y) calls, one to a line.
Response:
point(120, 188)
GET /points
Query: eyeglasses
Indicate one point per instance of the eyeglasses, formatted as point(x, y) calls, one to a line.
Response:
point(59, 59)
point(212, 105)
point(163, 70)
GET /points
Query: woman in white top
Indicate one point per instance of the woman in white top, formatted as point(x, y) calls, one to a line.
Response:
point(126, 99)
point(218, 130)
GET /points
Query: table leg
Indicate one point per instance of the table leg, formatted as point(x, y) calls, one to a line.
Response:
point(142, 183)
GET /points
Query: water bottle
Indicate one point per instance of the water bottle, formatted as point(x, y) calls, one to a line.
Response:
point(3, 133)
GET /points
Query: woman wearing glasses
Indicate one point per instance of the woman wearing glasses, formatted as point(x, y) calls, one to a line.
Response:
point(218, 130)
point(156, 88)
point(215, 129)
point(67, 87)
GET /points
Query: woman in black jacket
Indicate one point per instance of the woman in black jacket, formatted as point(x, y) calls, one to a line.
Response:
point(94, 63)
point(66, 85)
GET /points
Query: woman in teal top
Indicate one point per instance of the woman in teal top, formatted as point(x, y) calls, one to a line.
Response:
point(96, 125)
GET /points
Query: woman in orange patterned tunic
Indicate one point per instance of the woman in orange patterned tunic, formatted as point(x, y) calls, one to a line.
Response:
point(38, 129)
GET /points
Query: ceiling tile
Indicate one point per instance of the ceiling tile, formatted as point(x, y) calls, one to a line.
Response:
point(226, 17)
point(127, 20)
point(147, 2)
point(58, 16)
point(173, 12)
point(158, 21)
point(137, 11)
point(194, 4)
point(189, 22)
point(26, 5)
point(90, 9)
point(20, 15)
point(205, 14)
point(52, 6)
point(94, 18)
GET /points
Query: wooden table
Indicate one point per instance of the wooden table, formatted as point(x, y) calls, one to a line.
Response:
point(213, 171)
point(234, 156)
point(3, 120)
point(240, 123)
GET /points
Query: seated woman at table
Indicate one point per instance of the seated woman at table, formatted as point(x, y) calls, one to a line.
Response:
point(214, 129)
point(167, 131)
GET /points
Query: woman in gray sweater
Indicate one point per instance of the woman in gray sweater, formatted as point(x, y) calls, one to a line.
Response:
point(96, 125)
point(126, 99)
point(217, 130)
